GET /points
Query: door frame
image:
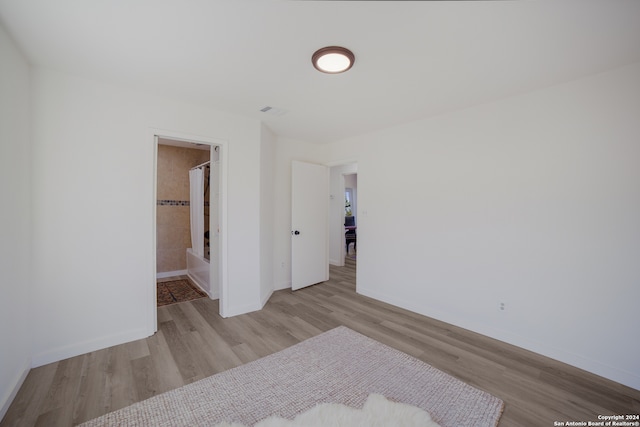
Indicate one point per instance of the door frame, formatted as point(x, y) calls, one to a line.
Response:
point(152, 313)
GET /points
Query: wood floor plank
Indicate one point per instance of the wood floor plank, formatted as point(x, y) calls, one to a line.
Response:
point(137, 349)
point(92, 399)
point(245, 353)
point(65, 385)
point(165, 368)
point(203, 356)
point(209, 311)
point(120, 378)
point(56, 417)
point(180, 352)
point(145, 380)
point(219, 355)
point(31, 398)
point(193, 341)
point(180, 319)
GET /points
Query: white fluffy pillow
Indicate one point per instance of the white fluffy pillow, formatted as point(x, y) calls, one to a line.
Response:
point(377, 412)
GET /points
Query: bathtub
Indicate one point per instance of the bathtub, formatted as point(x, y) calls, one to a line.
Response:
point(199, 270)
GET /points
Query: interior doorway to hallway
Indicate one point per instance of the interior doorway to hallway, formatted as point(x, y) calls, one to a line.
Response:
point(343, 215)
point(350, 214)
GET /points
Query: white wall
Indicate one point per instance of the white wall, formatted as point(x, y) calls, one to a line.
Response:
point(93, 207)
point(533, 201)
point(336, 211)
point(15, 223)
point(288, 150)
point(267, 210)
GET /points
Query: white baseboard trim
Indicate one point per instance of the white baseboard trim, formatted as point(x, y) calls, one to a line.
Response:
point(618, 375)
point(166, 274)
point(243, 309)
point(213, 294)
point(337, 263)
point(64, 352)
point(284, 285)
point(265, 299)
point(12, 391)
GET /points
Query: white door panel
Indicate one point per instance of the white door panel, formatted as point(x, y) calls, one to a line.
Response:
point(309, 224)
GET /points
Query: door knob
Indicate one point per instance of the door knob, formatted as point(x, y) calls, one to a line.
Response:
point(296, 232)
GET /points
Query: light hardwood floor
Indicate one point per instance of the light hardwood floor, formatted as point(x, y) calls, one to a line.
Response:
point(193, 342)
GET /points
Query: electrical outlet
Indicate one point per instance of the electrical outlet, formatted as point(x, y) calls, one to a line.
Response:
point(282, 265)
point(502, 306)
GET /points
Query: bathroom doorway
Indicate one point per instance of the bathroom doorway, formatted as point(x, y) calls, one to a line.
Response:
point(174, 204)
point(183, 252)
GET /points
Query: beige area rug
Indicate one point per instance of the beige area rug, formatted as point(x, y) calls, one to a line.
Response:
point(338, 366)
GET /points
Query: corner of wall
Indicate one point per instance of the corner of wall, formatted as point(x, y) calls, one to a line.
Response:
point(267, 212)
point(265, 298)
point(16, 264)
point(12, 391)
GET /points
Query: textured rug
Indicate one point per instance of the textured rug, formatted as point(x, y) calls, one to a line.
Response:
point(177, 291)
point(338, 366)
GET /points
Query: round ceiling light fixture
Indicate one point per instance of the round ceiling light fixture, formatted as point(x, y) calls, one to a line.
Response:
point(333, 59)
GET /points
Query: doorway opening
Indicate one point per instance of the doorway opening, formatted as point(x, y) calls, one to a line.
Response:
point(189, 220)
point(350, 215)
point(343, 215)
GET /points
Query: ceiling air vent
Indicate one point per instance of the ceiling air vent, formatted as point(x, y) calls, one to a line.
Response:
point(273, 111)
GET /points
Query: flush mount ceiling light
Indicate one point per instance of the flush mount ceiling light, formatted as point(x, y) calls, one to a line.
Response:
point(333, 59)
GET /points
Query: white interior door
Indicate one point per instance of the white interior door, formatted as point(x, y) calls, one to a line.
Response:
point(309, 224)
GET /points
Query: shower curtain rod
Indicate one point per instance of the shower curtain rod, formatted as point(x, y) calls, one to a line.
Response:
point(199, 166)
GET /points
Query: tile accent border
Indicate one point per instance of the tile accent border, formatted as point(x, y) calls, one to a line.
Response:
point(173, 203)
point(176, 203)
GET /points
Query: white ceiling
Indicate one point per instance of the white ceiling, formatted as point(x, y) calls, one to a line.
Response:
point(413, 59)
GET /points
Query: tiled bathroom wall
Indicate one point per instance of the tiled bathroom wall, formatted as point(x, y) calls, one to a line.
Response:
point(173, 226)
